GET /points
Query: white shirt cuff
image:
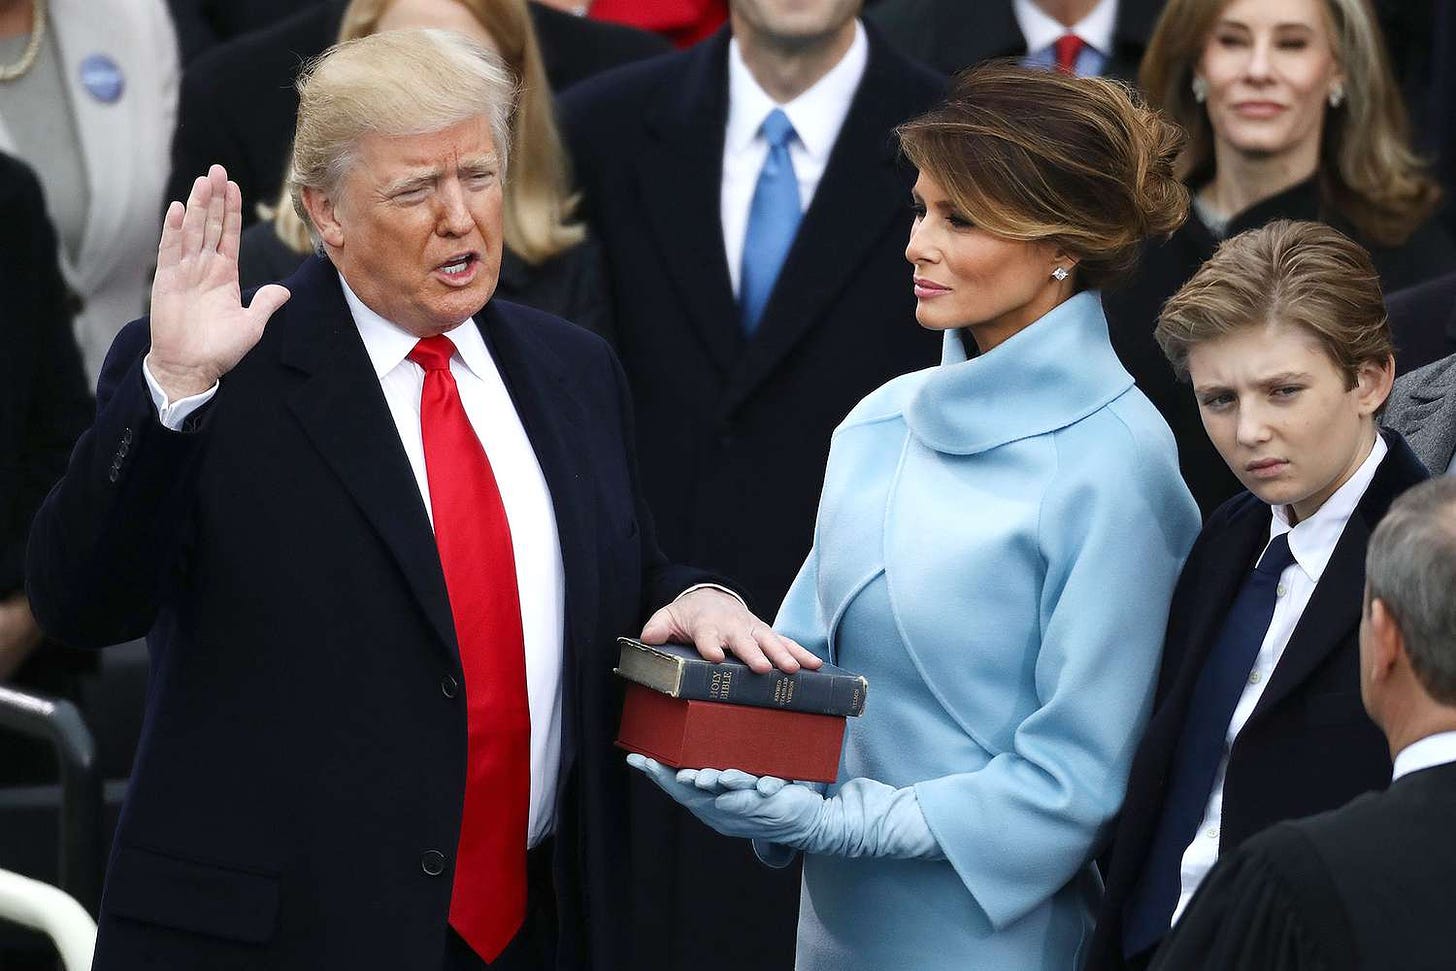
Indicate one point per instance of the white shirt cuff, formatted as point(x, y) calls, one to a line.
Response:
point(710, 586)
point(174, 413)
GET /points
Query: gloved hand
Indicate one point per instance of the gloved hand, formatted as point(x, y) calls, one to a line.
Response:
point(865, 818)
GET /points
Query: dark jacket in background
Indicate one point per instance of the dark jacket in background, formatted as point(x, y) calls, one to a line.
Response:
point(733, 433)
point(1423, 321)
point(1308, 746)
point(238, 104)
point(203, 24)
point(1132, 313)
point(570, 285)
point(1363, 888)
point(44, 406)
point(950, 35)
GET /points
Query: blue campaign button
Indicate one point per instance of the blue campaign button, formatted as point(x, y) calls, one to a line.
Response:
point(102, 78)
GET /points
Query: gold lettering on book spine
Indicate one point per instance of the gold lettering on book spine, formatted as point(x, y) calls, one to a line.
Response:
point(720, 684)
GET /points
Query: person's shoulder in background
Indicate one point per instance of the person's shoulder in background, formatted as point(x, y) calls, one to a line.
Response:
point(575, 48)
point(1423, 322)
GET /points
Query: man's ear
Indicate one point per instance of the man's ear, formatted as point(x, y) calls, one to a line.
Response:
point(1387, 643)
point(321, 211)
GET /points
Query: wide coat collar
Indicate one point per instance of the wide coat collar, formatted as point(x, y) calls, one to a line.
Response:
point(1055, 372)
point(679, 173)
point(342, 409)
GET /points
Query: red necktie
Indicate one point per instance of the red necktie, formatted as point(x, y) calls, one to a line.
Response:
point(488, 899)
point(1068, 46)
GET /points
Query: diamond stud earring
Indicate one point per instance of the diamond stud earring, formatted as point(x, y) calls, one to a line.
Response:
point(1060, 273)
point(1200, 89)
point(1337, 95)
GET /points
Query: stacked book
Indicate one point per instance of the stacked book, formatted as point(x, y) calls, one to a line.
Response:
point(688, 712)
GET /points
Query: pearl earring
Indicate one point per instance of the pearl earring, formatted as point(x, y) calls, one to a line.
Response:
point(1200, 89)
point(1337, 95)
point(1060, 274)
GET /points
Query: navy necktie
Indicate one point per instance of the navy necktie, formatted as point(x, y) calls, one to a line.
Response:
point(1201, 748)
point(773, 219)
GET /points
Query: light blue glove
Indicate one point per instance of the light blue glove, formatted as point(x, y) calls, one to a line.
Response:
point(865, 818)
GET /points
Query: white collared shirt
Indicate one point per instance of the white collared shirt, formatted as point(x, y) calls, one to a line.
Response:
point(540, 576)
point(817, 116)
point(1312, 542)
point(1042, 30)
point(1425, 753)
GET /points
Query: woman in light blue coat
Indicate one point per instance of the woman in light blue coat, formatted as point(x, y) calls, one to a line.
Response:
point(996, 546)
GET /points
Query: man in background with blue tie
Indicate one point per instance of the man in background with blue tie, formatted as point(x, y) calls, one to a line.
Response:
point(754, 212)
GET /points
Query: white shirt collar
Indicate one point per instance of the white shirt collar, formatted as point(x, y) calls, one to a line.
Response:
point(1313, 540)
point(1042, 30)
point(388, 344)
point(817, 114)
point(1425, 753)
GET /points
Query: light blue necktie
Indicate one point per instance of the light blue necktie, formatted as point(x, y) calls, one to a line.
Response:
point(773, 219)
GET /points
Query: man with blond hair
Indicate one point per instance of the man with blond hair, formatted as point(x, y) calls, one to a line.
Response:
point(380, 548)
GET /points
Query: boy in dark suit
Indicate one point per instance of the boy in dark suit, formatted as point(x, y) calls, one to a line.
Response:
point(1257, 716)
point(1366, 887)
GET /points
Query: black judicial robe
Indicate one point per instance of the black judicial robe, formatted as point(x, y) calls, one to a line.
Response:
point(1132, 313)
point(1363, 888)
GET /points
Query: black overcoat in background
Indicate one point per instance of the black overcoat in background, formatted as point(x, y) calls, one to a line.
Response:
point(1423, 322)
point(733, 433)
point(44, 405)
point(304, 750)
point(1308, 746)
point(1132, 313)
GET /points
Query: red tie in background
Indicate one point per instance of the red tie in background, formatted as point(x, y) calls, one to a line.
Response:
point(488, 899)
point(1068, 47)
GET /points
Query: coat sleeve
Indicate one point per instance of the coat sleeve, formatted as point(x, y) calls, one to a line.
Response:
point(1021, 827)
point(1271, 906)
point(801, 616)
point(107, 537)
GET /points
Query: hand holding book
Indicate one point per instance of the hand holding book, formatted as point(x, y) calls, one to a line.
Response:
point(865, 818)
point(712, 620)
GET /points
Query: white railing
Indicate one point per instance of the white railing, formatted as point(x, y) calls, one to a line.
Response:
point(44, 908)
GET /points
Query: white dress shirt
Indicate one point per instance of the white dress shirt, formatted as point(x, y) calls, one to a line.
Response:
point(1041, 31)
point(1312, 542)
point(817, 116)
point(1425, 753)
point(540, 577)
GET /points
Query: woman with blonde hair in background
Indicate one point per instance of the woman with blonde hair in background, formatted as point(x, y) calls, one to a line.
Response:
point(995, 549)
point(1292, 113)
point(547, 263)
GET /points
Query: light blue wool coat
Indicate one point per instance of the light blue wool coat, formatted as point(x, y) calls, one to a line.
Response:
point(996, 547)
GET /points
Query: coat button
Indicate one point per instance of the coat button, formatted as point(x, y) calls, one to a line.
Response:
point(449, 687)
point(432, 862)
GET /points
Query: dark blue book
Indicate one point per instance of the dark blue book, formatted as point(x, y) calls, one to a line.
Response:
point(679, 671)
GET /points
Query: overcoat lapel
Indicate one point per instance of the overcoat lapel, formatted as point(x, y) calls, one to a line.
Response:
point(859, 198)
point(1225, 568)
point(680, 176)
point(341, 408)
point(549, 410)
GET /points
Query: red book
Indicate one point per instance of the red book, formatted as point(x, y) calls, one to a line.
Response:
point(691, 734)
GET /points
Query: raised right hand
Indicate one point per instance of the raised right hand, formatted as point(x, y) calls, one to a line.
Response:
point(200, 328)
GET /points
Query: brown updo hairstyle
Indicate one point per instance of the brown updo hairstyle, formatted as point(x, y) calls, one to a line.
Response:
point(1045, 156)
point(1305, 274)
